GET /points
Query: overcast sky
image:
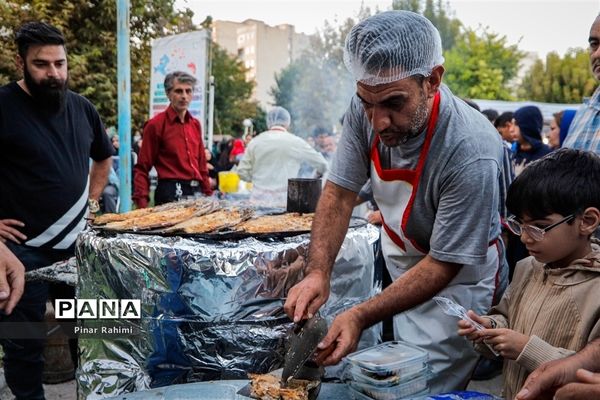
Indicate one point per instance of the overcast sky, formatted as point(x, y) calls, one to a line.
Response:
point(536, 25)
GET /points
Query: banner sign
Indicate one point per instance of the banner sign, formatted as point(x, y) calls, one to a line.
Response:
point(183, 52)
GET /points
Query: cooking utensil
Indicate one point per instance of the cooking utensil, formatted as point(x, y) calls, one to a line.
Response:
point(303, 194)
point(302, 341)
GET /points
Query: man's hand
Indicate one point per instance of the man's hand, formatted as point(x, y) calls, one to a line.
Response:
point(465, 328)
point(544, 381)
point(586, 387)
point(306, 297)
point(374, 217)
point(507, 342)
point(341, 339)
point(9, 232)
point(12, 279)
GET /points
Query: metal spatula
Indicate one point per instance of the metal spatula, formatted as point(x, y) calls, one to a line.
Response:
point(303, 341)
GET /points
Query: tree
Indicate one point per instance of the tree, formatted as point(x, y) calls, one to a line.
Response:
point(90, 32)
point(232, 94)
point(316, 89)
point(482, 66)
point(438, 13)
point(285, 83)
point(559, 80)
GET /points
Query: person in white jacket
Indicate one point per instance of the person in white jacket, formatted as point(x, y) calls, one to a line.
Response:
point(275, 156)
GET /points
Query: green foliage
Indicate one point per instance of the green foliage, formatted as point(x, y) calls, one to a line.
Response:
point(232, 93)
point(285, 83)
point(408, 5)
point(440, 15)
point(90, 30)
point(482, 66)
point(316, 89)
point(559, 80)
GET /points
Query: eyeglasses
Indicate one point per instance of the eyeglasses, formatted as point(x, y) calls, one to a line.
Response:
point(533, 232)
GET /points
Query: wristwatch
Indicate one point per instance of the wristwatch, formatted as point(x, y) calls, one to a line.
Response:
point(93, 205)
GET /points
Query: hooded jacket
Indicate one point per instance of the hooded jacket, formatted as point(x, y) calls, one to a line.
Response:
point(530, 122)
point(558, 308)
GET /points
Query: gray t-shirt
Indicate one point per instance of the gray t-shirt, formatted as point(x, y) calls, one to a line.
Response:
point(455, 212)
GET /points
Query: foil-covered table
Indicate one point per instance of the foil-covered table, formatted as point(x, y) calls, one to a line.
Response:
point(210, 310)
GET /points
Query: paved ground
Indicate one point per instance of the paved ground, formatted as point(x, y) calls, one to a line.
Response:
point(61, 391)
point(67, 390)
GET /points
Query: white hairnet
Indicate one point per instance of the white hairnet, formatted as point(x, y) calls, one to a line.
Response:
point(278, 116)
point(391, 46)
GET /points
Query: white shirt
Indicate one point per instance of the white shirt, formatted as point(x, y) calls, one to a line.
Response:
point(276, 155)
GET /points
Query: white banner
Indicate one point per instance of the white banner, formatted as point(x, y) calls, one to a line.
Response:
point(183, 52)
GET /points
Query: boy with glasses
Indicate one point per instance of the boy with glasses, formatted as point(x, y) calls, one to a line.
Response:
point(551, 308)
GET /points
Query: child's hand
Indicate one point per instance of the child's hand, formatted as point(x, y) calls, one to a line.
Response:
point(467, 329)
point(507, 342)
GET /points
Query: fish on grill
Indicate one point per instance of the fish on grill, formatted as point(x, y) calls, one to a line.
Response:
point(163, 217)
point(213, 222)
point(288, 222)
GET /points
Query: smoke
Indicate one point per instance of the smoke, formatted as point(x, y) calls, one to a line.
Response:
point(321, 95)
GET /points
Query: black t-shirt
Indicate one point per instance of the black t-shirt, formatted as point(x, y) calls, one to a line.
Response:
point(44, 165)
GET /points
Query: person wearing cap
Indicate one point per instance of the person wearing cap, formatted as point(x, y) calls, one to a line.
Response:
point(434, 164)
point(559, 128)
point(527, 128)
point(273, 157)
point(173, 145)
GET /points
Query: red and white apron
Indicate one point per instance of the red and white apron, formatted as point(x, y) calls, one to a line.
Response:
point(451, 357)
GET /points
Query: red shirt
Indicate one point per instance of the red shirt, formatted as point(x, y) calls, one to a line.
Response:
point(175, 149)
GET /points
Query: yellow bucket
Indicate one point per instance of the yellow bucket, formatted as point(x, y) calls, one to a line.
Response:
point(228, 181)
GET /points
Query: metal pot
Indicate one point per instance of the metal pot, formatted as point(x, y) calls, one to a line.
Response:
point(303, 194)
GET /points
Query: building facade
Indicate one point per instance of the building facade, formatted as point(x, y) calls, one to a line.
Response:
point(265, 50)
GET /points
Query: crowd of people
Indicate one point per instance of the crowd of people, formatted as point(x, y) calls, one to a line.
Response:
point(451, 185)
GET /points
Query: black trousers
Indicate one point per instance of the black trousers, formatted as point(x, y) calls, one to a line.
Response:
point(166, 191)
point(23, 358)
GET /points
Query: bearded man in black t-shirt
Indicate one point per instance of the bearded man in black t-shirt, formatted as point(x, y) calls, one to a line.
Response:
point(47, 136)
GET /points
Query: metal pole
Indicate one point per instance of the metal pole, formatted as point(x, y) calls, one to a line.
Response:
point(124, 104)
point(211, 112)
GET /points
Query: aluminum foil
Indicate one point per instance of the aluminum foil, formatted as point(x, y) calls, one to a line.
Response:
point(210, 310)
point(59, 272)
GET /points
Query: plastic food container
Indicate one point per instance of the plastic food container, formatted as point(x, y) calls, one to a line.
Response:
point(358, 375)
point(356, 395)
point(390, 359)
point(409, 389)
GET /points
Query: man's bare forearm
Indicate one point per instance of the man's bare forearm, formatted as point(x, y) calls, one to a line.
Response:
point(329, 227)
point(99, 176)
point(419, 284)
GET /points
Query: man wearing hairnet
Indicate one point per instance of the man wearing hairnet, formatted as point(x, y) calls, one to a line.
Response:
point(273, 157)
point(434, 164)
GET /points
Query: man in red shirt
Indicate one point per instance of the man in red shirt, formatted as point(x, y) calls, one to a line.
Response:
point(173, 145)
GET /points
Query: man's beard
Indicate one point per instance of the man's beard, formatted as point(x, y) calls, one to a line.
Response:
point(417, 124)
point(49, 94)
point(419, 120)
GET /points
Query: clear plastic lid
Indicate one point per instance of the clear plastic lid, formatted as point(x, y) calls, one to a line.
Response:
point(389, 357)
point(358, 374)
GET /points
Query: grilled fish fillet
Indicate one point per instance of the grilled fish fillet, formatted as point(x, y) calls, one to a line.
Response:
point(267, 387)
point(211, 222)
point(288, 222)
